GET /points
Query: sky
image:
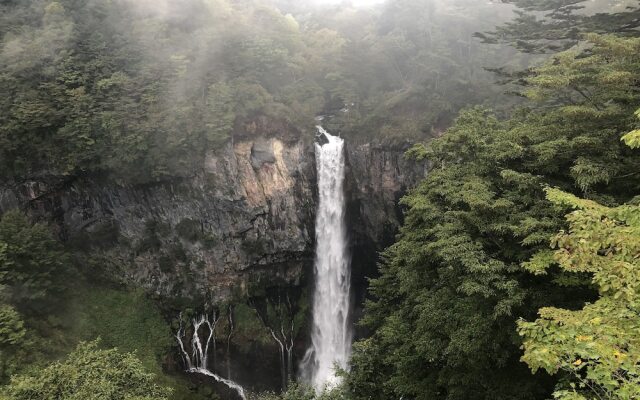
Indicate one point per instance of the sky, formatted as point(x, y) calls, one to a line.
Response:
point(358, 3)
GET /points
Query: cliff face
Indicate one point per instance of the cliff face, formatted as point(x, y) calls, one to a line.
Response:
point(245, 218)
point(378, 176)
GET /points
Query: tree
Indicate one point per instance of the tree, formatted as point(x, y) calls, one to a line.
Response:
point(451, 289)
point(13, 341)
point(89, 373)
point(34, 264)
point(632, 139)
point(302, 392)
point(221, 114)
point(33, 276)
point(554, 25)
point(597, 347)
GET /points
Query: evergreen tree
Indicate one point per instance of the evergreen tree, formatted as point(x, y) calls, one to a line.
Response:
point(555, 25)
point(33, 277)
point(33, 265)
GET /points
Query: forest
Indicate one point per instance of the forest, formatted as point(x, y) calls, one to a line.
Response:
point(160, 207)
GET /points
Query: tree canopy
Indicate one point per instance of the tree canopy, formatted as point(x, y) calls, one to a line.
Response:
point(597, 347)
point(549, 26)
point(451, 288)
point(140, 92)
point(89, 373)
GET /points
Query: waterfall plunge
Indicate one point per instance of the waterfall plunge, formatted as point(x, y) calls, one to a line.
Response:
point(331, 334)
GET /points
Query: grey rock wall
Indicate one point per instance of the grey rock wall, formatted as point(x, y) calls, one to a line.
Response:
point(245, 218)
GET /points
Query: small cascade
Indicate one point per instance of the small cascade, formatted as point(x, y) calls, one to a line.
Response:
point(197, 361)
point(331, 334)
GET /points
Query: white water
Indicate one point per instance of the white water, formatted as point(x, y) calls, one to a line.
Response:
point(331, 334)
point(197, 361)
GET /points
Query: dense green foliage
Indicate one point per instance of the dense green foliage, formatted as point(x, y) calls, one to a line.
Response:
point(412, 65)
point(632, 139)
point(142, 90)
point(46, 307)
point(551, 25)
point(89, 373)
point(12, 340)
point(33, 268)
point(301, 392)
point(33, 263)
point(597, 347)
point(126, 320)
point(452, 287)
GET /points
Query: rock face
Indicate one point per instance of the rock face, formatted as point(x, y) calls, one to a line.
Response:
point(378, 176)
point(245, 218)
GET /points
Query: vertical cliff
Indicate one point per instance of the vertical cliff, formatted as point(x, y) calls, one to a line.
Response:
point(379, 175)
point(246, 216)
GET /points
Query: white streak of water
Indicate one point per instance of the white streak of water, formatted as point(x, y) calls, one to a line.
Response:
point(197, 362)
point(331, 333)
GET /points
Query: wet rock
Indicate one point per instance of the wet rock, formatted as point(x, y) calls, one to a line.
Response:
point(321, 139)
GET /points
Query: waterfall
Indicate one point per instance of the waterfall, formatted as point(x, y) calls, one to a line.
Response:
point(196, 362)
point(331, 334)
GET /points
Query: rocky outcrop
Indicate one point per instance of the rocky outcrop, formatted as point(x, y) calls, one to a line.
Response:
point(246, 218)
